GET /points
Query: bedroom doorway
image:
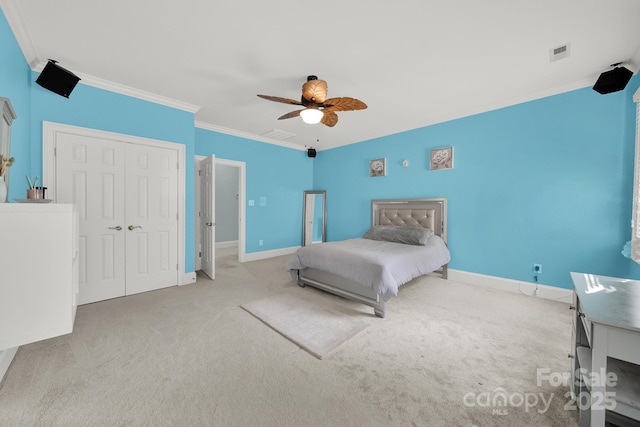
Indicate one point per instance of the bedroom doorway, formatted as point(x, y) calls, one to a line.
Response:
point(228, 180)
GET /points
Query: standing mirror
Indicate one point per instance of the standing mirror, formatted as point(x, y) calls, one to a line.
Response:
point(314, 217)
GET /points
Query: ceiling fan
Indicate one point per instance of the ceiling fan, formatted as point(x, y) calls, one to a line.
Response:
point(318, 109)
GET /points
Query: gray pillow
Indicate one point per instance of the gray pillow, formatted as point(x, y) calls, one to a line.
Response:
point(399, 234)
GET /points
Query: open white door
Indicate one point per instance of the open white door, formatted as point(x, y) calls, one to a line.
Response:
point(207, 215)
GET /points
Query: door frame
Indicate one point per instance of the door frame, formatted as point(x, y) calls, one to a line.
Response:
point(49, 131)
point(242, 208)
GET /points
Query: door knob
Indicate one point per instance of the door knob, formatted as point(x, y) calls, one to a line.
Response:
point(210, 224)
point(117, 228)
point(133, 227)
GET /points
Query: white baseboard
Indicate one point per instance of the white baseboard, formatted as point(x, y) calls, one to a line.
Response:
point(254, 256)
point(492, 282)
point(509, 285)
point(229, 244)
point(6, 357)
point(189, 278)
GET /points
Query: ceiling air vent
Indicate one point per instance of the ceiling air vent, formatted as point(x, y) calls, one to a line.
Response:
point(278, 134)
point(560, 52)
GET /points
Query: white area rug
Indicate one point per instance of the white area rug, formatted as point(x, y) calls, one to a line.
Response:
point(307, 319)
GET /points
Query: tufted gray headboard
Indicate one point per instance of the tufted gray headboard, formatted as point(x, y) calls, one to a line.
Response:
point(427, 213)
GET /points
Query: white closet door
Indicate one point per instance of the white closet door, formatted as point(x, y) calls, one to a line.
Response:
point(152, 218)
point(90, 173)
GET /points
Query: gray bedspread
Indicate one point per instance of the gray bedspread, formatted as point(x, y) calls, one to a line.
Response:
point(379, 265)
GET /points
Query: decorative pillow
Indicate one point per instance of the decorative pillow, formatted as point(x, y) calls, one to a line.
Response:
point(400, 234)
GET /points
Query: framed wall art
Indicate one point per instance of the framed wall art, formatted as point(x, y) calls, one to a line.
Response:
point(378, 167)
point(441, 158)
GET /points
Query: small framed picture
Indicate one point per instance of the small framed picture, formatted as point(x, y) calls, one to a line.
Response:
point(441, 158)
point(378, 167)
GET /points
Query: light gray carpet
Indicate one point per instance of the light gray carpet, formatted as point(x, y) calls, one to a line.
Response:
point(190, 356)
point(307, 319)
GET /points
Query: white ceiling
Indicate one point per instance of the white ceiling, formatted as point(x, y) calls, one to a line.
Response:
point(414, 62)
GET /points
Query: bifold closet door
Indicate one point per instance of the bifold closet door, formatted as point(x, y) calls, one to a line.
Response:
point(128, 214)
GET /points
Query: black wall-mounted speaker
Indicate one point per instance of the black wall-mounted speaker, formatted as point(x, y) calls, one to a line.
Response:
point(613, 80)
point(56, 79)
point(311, 152)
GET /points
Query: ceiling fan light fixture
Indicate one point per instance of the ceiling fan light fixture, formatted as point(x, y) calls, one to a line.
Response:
point(311, 116)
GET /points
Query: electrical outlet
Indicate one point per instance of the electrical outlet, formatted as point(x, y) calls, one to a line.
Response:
point(537, 269)
point(260, 242)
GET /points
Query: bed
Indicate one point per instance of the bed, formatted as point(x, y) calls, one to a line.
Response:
point(394, 251)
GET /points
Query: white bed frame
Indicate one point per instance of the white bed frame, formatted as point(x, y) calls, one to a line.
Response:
point(427, 213)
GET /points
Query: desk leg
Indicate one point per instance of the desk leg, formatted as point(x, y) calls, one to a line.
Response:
point(598, 375)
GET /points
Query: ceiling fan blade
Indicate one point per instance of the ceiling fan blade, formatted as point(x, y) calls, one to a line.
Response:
point(315, 91)
point(344, 104)
point(279, 99)
point(290, 115)
point(329, 119)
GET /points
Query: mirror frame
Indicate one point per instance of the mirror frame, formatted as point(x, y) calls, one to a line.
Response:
point(8, 116)
point(324, 214)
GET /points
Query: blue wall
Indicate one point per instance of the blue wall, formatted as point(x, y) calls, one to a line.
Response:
point(86, 107)
point(15, 80)
point(545, 181)
point(548, 181)
point(94, 108)
point(276, 173)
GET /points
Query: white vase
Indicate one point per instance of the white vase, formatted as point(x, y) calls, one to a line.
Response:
point(3, 190)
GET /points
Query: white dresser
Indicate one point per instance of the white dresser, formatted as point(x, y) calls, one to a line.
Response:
point(606, 350)
point(38, 272)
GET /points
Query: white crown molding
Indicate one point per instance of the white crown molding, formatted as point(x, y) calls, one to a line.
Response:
point(12, 14)
point(136, 93)
point(634, 62)
point(460, 114)
point(247, 135)
point(31, 55)
point(127, 90)
point(16, 23)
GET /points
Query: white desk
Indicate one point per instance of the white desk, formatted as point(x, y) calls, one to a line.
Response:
point(607, 325)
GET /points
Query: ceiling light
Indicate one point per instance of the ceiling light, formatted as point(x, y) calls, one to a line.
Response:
point(311, 116)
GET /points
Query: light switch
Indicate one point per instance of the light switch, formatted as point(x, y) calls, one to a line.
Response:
point(263, 201)
point(251, 203)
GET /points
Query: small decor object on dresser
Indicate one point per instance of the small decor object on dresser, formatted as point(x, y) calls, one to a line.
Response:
point(441, 158)
point(5, 163)
point(378, 167)
point(3, 190)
